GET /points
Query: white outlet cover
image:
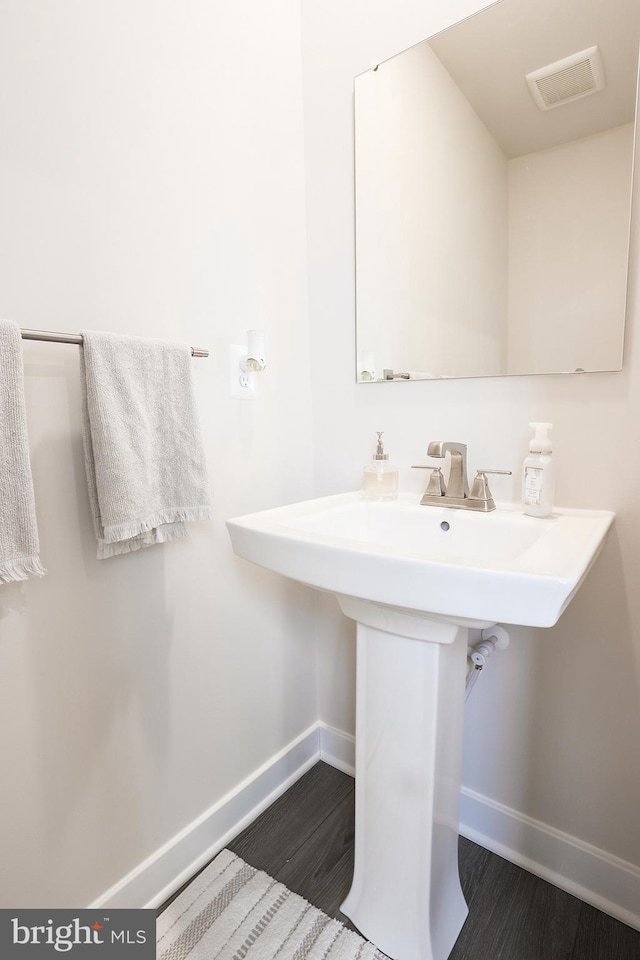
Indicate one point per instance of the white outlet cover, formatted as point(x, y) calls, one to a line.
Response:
point(242, 384)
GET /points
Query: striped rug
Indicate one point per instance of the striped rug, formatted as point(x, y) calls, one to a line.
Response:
point(233, 912)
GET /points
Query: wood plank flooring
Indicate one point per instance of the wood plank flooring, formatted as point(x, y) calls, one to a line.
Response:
point(305, 840)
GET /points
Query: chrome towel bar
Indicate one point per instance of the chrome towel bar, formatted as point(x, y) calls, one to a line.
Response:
point(55, 337)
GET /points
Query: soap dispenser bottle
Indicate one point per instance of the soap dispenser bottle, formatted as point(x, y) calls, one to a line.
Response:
point(537, 482)
point(380, 479)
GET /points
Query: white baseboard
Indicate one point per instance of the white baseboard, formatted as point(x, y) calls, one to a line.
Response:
point(607, 882)
point(164, 872)
point(337, 748)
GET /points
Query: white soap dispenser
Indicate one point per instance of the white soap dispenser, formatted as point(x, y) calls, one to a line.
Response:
point(380, 479)
point(537, 482)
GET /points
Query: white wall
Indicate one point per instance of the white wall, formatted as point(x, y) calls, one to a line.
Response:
point(568, 232)
point(151, 182)
point(430, 297)
point(553, 728)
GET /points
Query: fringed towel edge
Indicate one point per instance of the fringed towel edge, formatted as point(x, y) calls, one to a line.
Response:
point(133, 528)
point(161, 534)
point(21, 569)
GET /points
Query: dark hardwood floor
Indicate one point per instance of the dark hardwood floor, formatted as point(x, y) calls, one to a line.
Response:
point(305, 840)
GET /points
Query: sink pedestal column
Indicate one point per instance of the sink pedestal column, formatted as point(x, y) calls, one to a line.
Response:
point(406, 895)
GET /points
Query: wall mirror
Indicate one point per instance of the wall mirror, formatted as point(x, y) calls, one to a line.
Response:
point(493, 170)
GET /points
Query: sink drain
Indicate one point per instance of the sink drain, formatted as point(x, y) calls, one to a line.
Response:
point(444, 525)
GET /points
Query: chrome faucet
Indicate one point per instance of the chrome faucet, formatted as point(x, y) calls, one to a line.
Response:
point(456, 493)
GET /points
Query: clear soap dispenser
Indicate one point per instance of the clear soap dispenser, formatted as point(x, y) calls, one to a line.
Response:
point(380, 479)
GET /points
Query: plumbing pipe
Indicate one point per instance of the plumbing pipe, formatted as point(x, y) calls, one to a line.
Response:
point(491, 639)
point(471, 679)
point(498, 634)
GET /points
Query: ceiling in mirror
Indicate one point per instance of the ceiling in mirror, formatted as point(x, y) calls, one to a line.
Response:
point(492, 235)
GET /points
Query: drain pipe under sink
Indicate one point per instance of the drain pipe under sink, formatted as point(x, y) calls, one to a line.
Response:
point(491, 638)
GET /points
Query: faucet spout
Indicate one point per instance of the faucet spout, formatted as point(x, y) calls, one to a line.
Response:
point(457, 483)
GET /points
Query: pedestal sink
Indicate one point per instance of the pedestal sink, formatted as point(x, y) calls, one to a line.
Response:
point(415, 579)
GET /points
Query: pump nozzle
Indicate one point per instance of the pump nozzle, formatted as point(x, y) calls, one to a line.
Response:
point(541, 442)
point(380, 454)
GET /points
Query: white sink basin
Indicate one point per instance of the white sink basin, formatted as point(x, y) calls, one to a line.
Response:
point(501, 567)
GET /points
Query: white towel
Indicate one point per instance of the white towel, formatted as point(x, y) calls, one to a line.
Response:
point(19, 547)
point(145, 462)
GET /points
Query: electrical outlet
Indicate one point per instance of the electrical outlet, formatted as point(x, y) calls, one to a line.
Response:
point(242, 383)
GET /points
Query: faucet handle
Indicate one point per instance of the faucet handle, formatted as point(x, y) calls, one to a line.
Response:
point(506, 473)
point(435, 485)
point(480, 487)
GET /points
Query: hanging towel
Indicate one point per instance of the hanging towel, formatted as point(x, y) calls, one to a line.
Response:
point(19, 547)
point(144, 458)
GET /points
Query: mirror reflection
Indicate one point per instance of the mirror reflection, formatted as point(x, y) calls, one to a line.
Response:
point(493, 167)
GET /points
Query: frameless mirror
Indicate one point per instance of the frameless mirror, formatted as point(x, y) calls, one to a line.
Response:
point(493, 169)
